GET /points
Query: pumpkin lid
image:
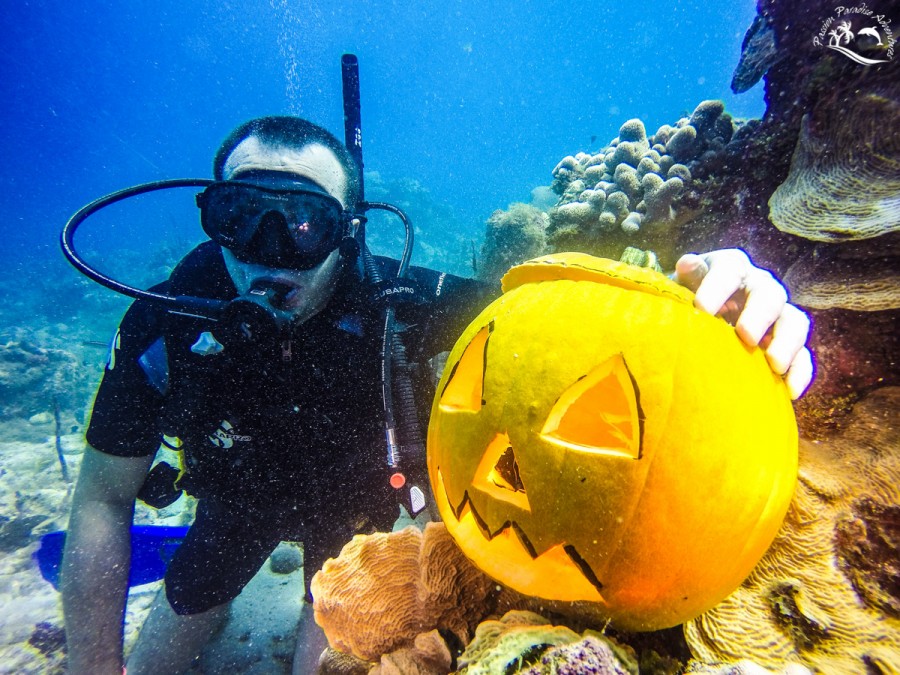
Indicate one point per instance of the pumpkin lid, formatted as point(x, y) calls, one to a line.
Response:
point(584, 267)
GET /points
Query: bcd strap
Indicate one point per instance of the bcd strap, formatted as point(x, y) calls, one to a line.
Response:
point(396, 291)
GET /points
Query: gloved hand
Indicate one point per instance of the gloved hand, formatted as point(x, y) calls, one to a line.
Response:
point(727, 283)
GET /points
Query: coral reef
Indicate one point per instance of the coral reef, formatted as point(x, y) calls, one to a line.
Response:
point(826, 157)
point(861, 276)
point(32, 377)
point(844, 180)
point(512, 237)
point(830, 140)
point(387, 588)
point(525, 642)
point(627, 193)
point(826, 595)
point(440, 239)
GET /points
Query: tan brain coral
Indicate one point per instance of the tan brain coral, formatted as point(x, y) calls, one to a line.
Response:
point(387, 588)
point(826, 594)
point(844, 180)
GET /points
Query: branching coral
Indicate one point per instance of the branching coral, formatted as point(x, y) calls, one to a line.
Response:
point(627, 193)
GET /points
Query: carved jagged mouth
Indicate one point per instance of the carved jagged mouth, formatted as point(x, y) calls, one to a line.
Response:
point(568, 550)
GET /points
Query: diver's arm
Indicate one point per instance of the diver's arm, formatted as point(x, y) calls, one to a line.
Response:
point(94, 576)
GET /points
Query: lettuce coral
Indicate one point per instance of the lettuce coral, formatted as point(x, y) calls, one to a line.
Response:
point(385, 589)
point(844, 180)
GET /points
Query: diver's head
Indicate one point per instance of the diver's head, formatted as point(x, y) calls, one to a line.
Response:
point(292, 145)
point(280, 209)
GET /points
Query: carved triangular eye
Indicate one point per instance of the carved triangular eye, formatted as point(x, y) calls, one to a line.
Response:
point(600, 413)
point(498, 474)
point(465, 387)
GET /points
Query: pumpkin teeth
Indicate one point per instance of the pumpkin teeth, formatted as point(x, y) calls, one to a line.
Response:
point(551, 561)
point(583, 565)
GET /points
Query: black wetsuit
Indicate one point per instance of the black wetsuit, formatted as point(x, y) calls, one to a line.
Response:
point(276, 448)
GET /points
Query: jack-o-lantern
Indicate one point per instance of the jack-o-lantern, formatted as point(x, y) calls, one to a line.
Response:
point(594, 437)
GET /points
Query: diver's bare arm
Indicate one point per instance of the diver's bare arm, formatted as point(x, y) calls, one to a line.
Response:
point(94, 579)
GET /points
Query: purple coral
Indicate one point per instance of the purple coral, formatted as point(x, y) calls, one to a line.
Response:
point(589, 656)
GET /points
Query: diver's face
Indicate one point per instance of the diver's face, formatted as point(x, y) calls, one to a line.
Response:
point(312, 288)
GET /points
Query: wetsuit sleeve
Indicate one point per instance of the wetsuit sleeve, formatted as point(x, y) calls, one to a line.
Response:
point(124, 419)
point(447, 305)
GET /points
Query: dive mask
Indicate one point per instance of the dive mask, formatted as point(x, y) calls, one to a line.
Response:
point(274, 219)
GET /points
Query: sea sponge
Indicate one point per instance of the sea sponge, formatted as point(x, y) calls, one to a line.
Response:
point(844, 180)
point(511, 237)
point(386, 588)
point(826, 594)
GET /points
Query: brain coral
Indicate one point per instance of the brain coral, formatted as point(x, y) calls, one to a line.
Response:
point(627, 193)
point(844, 181)
point(826, 595)
point(385, 589)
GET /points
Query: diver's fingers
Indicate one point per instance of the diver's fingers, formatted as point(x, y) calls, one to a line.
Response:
point(728, 269)
point(690, 270)
point(789, 336)
point(800, 374)
point(766, 302)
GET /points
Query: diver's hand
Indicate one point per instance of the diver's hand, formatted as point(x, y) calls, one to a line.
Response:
point(728, 284)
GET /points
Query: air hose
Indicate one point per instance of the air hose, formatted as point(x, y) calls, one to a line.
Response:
point(403, 435)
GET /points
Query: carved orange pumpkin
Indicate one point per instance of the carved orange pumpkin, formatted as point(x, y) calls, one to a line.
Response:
point(594, 437)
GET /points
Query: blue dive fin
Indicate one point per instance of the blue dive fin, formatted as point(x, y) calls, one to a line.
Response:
point(152, 546)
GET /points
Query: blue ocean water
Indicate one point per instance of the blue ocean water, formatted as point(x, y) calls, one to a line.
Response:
point(477, 101)
point(467, 105)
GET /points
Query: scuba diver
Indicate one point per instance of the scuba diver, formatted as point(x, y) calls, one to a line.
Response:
point(276, 397)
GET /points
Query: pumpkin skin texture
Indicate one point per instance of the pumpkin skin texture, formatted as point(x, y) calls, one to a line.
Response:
point(594, 437)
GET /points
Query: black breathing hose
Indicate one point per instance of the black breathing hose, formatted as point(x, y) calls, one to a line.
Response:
point(403, 436)
point(202, 307)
